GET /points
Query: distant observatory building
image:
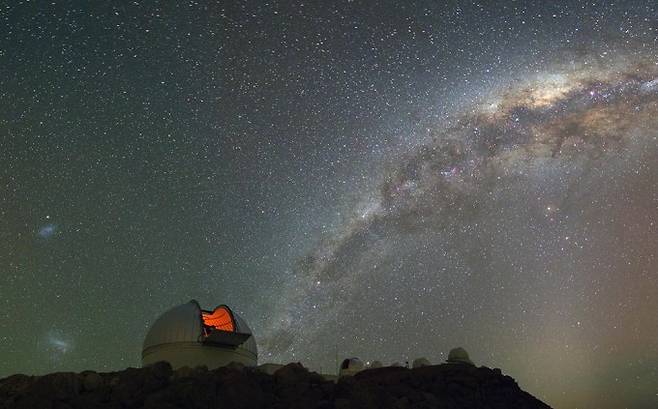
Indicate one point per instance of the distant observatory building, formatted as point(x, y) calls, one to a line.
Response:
point(350, 366)
point(187, 335)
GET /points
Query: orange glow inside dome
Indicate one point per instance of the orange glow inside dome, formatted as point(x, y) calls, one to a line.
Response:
point(220, 319)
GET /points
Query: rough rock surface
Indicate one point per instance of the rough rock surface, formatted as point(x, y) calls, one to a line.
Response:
point(157, 386)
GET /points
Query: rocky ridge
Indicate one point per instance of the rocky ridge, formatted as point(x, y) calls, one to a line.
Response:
point(293, 386)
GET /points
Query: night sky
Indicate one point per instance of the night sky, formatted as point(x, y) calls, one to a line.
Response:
point(385, 180)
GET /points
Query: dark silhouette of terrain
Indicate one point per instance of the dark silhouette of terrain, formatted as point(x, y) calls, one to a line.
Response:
point(442, 386)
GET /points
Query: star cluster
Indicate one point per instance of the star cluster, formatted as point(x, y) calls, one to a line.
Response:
point(385, 180)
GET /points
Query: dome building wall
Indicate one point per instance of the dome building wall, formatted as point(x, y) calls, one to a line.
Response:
point(180, 337)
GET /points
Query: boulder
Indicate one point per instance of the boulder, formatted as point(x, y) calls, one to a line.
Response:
point(183, 372)
point(161, 370)
point(295, 373)
point(15, 384)
point(91, 381)
point(58, 386)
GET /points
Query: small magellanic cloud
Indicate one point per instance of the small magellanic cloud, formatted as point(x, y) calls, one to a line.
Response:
point(47, 231)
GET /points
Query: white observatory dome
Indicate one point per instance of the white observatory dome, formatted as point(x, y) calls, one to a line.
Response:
point(350, 366)
point(420, 362)
point(187, 335)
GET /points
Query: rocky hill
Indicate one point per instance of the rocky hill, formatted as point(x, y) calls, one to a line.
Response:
point(442, 386)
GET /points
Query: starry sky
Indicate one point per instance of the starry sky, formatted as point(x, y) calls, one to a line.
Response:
point(385, 180)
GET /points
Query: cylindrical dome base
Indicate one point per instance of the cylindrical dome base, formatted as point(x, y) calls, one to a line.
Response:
point(193, 354)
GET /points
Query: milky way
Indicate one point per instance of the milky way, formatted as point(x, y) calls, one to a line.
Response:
point(540, 157)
